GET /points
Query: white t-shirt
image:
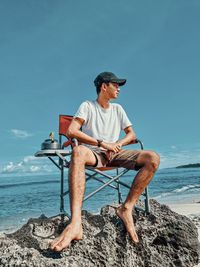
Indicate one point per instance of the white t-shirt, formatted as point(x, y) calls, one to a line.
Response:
point(103, 124)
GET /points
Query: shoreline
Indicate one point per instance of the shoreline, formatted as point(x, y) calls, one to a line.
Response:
point(190, 209)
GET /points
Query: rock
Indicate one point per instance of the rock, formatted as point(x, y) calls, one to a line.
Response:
point(166, 239)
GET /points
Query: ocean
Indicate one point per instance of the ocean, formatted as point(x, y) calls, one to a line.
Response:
point(29, 190)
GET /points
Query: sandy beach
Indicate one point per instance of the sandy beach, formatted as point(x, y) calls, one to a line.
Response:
point(191, 210)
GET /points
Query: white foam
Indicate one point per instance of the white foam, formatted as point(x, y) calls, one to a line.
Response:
point(193, 188)
point(186, 188)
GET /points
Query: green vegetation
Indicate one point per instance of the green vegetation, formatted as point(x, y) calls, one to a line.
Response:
point(195, 165)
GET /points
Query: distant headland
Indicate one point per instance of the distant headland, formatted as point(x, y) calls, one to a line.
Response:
point(194, 165)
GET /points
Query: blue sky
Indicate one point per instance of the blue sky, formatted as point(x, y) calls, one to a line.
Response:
point(51, 51)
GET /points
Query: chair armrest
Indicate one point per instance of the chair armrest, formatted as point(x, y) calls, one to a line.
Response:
point(136, 141)
point(75, 142)
point(141, 144)
point(71, 142)
point(66, 144)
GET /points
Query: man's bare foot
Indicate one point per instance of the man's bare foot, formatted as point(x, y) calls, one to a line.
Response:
point(70, 233)
point(126, 216)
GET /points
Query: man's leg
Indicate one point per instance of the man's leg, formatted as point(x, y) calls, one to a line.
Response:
point(149, 162)
point(81, 156)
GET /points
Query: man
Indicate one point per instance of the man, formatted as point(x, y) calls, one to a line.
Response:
point(101, 122)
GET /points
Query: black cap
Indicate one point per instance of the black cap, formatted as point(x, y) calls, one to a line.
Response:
point(106, 77)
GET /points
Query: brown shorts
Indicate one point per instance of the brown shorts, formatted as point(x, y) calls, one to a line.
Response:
point(124, 158)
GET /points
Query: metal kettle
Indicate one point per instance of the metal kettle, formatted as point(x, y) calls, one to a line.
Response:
point(50, 143)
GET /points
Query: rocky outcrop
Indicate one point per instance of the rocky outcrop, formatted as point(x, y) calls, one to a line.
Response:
point(166, 239)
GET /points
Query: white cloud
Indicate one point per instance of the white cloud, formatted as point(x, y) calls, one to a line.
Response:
point(20, 133)
point(29, 164)
point(29, 158)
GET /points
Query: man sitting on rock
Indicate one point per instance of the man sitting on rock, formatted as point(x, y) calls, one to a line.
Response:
point(101, 123)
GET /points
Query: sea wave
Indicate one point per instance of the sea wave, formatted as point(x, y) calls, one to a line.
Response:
point(187, 188)
point(183, 189)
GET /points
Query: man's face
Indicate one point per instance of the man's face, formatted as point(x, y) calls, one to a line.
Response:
point(112, 90)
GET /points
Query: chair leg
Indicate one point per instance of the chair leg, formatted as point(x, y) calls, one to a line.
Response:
point(62, 188)
point(119, 194)
point(119, 189)
point(147, 206)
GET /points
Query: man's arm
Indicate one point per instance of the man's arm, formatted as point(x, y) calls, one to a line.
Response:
point(130, 136)
point(74, 131)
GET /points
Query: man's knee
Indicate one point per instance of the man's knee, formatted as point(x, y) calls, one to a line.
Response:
point(149, 159)
point(79, 153)
point(154, 160)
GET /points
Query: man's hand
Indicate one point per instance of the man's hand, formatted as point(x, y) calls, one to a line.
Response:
point(113, 147)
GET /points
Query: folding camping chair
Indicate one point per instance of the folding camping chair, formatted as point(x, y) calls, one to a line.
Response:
point(99, 174)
